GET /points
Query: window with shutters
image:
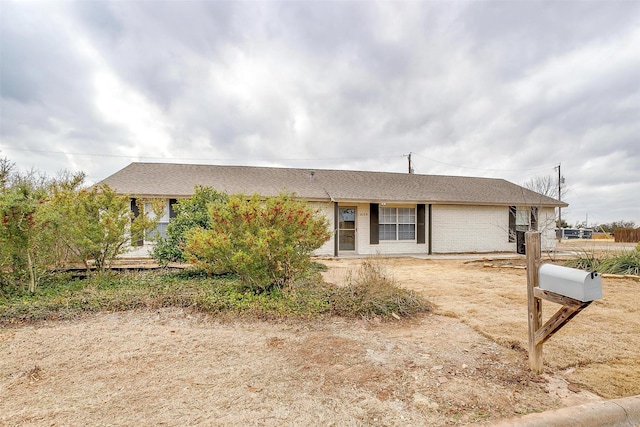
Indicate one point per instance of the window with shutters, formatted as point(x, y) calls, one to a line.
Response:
point(397, 223)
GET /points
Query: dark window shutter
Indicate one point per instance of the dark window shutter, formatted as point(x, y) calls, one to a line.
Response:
point(136, 240)
point(420, 226)
point(534, 218)
point(512, 223)
point(336, 223)
point(374, 227)
point(172, 213)
point(430, 229)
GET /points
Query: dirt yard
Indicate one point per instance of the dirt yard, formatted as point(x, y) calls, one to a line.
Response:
point(463, 364)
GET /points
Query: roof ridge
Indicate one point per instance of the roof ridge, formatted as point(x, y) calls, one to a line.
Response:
point(316, 170)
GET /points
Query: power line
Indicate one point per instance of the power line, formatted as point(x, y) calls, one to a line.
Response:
point(68, 153)
point(484, 169)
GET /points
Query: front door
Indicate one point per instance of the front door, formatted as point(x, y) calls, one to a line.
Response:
point(347, 229)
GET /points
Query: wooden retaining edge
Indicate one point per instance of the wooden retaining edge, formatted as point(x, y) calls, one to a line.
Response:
point(517, 267)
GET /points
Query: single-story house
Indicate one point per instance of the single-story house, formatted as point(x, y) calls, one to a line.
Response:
point(371, 212)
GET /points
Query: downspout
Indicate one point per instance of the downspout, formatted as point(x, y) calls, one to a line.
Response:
point(430, 231)
point(335, 223)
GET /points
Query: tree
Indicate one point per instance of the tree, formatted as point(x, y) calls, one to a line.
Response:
point(545, 185)
point(25, 236)
point(190, 213)
point(266, 243)
point(95, 224)
point(6, 171)
point(615, 225)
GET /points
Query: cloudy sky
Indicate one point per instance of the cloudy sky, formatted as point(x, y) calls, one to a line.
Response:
point(506, 89)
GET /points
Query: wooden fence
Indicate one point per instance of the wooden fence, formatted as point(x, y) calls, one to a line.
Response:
point(627, 235)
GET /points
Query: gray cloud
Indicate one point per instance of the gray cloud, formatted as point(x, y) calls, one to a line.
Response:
point(506, 89)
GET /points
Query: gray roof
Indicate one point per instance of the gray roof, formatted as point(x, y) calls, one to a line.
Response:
point(170, 180)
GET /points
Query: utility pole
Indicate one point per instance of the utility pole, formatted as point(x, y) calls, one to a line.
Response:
point(559, 197)
point(410, 165)
point(560, 182)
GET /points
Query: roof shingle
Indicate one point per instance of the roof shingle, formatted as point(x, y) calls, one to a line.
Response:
point(178, 180)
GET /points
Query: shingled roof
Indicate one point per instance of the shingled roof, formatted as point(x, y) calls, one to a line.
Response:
point(170, 180)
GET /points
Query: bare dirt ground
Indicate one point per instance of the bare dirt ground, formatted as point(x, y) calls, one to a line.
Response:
point(463, 364)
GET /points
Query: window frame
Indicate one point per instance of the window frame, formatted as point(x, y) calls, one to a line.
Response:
point(161, 228)
point(402, 216)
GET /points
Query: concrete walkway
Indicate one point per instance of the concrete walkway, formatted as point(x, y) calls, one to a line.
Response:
point(623, 412)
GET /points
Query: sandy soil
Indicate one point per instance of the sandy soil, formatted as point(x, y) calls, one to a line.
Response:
point(175, 367)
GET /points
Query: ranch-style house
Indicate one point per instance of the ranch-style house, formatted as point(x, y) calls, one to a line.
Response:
point(370, 212)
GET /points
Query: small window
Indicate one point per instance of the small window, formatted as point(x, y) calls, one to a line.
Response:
point(522, 217)
point(397, 224)
point(161, 228)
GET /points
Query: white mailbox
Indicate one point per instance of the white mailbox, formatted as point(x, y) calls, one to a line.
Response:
point(571, 282)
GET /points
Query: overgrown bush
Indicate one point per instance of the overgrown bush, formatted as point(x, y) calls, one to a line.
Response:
point(266, 243)
point(26, 239)
point(45, 223)
point(370, 291)
point(96, 224)
point(190, 213)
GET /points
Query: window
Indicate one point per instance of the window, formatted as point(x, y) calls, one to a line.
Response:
point(161, 228)
point(512, 224)
point(522, 217)
point(397, 223)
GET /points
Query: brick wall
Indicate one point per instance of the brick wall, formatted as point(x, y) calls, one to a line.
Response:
point(470, 229)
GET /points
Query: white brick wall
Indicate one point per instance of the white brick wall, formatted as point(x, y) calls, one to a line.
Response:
point(327, 210)
point(470, 229)
point(547, 228)
point(363, 245)
point(455, 229)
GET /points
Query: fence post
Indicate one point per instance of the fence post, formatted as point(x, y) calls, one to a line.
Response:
point(533, 251)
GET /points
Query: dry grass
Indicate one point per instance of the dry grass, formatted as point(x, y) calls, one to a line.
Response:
point(174, 367)
point(493, 301)
point(170, 367)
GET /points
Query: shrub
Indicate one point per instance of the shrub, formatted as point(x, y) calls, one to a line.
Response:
point(190, 213)
point(26, 239)
point(584, 260)
point(370, 291)
point(625, 262)
point(266, 243)
point(95, 224)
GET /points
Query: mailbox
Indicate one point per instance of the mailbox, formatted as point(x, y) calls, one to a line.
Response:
point(571, 282)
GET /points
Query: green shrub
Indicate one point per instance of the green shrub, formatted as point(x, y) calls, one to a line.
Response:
point(584, 261)
point(190, 213)
point(266, 243)
point(625, 262)
point(369, 293)
point(95, 224)
point(26, 238)
point(622, 263)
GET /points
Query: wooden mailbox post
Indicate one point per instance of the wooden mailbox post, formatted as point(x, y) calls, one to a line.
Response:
point(539, 333)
